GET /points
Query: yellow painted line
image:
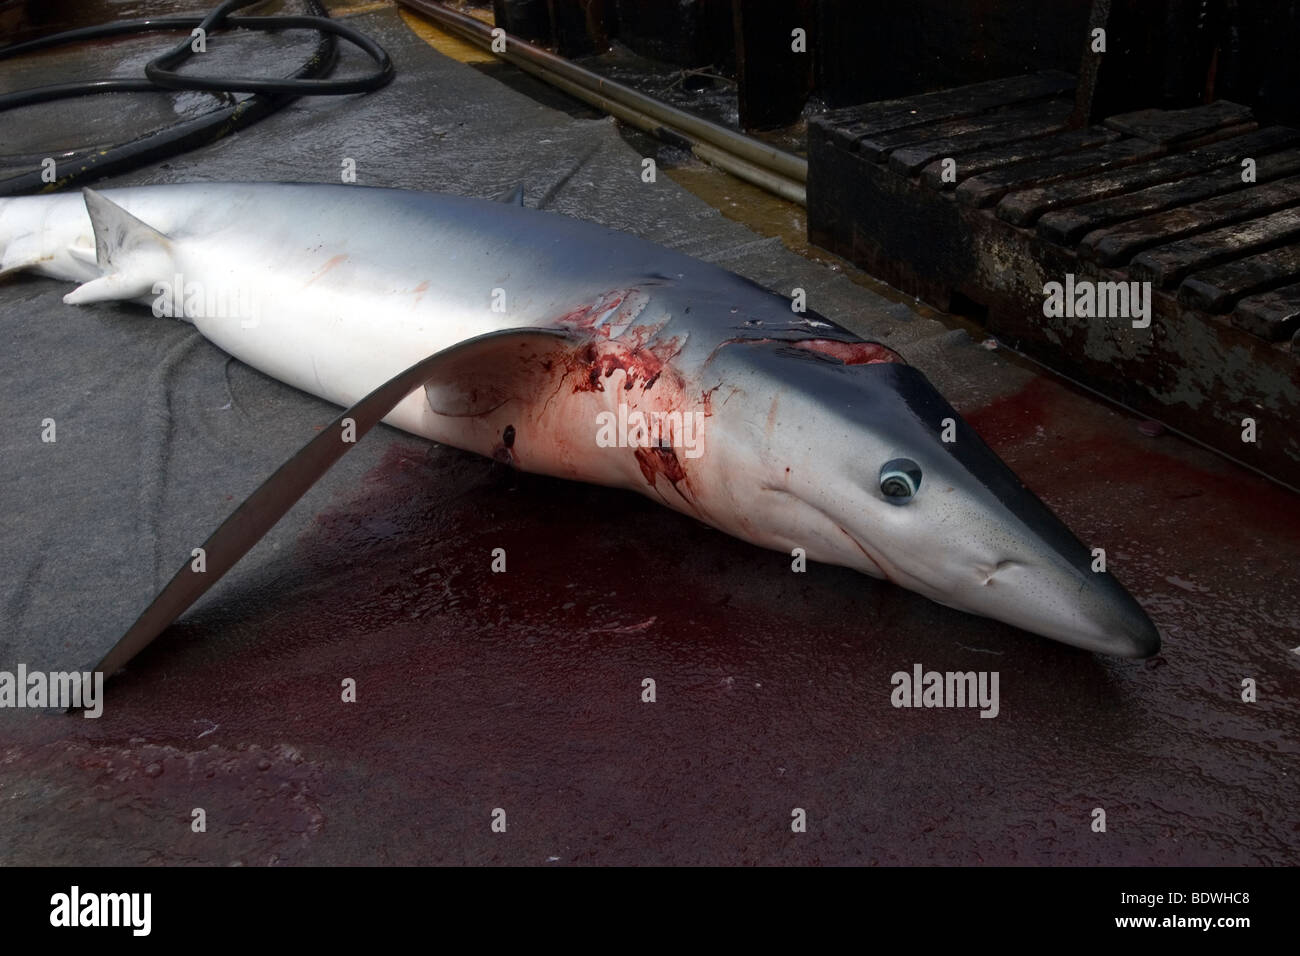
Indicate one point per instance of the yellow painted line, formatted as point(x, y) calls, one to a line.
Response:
point(445, 43)
point(340, 8)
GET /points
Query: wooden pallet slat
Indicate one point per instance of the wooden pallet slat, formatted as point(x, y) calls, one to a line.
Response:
point(1009, 126)
point(987, 188)
point(1013, 154)
point(1168, 263)
point(849, 126)
point(1117, 244)
point(1024, 207)
point(1069, 225)
point(1169, 127)
point(879, 147)
point(1216, 289)
point(1273, 315)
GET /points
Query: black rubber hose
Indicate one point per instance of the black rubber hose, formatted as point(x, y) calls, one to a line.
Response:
point(269, 95)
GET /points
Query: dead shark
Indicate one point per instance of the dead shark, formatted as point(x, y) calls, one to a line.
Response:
point(565, 348)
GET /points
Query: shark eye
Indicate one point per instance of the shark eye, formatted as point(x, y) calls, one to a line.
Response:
point(899, 480)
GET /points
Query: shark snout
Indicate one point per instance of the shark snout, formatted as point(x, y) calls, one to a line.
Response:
point(1051, 597)
point(1060, 596)
point(1124, 628)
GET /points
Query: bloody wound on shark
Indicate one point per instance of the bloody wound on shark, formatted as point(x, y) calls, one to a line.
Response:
point(518, 334)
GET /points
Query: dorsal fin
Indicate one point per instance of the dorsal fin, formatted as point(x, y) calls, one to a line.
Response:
point(513, 197)
point(132, 254)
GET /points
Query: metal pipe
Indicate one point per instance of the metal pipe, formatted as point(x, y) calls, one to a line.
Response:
point(750, 159)
point(738, 167)
point(759, 176)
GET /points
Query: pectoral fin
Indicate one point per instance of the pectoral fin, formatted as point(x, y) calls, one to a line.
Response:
point(470, 378)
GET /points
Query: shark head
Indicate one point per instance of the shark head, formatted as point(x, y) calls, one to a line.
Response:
point(847, 452)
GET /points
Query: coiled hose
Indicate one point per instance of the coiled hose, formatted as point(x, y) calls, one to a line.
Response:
point(268, 96)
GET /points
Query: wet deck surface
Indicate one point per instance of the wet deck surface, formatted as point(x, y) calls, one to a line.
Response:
point(522, 690)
